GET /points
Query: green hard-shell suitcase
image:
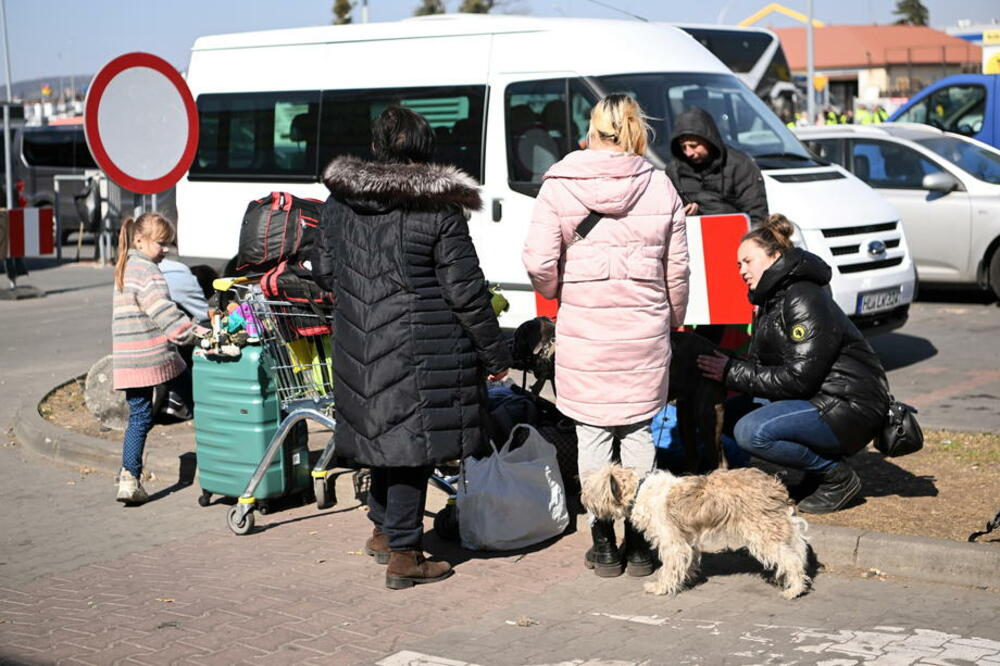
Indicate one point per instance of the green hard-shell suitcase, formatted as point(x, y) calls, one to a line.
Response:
point(236, 413)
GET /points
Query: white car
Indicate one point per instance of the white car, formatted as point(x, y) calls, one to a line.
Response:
point(946, 187)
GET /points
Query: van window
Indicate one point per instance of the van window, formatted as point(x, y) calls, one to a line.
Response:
point(64, 147)
point(545, 120)
point(455, 113)
point(958, 108)
point(887, 165)
point(257, 136)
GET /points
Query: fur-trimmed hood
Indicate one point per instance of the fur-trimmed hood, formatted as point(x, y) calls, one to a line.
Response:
point(382, 186)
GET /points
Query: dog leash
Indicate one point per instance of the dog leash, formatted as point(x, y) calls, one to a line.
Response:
point(990, 526)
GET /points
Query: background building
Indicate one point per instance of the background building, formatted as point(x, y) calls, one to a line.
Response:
point(884, 64)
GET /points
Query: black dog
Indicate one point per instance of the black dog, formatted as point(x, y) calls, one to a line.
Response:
point(700, 401)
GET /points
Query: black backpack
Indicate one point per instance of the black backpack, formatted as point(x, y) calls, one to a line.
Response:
point(276, 228)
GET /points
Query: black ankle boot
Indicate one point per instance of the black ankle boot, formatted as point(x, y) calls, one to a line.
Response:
point(603, 557)
point(838, 486)
point(639, 558)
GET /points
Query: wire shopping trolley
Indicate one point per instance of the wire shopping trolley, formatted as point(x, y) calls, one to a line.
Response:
point(295, 344)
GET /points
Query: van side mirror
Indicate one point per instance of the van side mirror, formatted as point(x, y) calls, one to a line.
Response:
point(939, 182)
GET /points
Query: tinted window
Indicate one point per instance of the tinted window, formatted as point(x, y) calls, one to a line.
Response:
point(831, 150)
point(957, 109)
point(258, 136)
point(889, 165)
point(545, 121)
point(983, 163)
point(739, 50)
point(455, 114)
point(56, 147)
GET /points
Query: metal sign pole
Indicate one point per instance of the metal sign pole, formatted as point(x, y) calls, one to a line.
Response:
point(11, 269)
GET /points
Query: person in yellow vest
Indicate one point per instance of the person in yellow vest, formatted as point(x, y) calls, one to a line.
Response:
point(879, 115)
point(831, 116)
point(863, 116)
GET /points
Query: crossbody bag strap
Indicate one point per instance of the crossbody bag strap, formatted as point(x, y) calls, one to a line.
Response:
point(588, 224)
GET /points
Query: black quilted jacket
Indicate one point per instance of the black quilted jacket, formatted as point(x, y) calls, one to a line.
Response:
point(414, 333)
point(805, 348)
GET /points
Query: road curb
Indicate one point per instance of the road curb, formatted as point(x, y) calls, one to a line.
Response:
point(920, 558)
point(44, 438)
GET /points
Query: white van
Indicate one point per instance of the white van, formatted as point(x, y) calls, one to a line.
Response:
point(507, 97)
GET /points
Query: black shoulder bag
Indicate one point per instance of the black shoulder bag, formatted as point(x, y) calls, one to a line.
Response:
point(900, 433)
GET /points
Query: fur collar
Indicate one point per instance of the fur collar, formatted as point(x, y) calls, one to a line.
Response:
point(418, 186)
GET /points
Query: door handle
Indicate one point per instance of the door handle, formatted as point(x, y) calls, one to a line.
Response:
point(497, 209)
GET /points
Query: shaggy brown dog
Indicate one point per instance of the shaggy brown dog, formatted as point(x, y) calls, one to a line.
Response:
point(683, 516)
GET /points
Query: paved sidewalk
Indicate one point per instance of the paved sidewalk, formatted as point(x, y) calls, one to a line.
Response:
point(300, 591)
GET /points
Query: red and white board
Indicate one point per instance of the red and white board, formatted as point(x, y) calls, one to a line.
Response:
point(30, 232)
point(717, 293)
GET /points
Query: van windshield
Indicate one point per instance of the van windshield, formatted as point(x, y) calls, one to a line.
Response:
point(977, 161)
point(743, 119)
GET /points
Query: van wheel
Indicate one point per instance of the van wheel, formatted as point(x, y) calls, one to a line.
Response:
point(995, 273)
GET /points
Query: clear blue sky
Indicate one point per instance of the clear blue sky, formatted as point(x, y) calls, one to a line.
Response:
point(49, 38)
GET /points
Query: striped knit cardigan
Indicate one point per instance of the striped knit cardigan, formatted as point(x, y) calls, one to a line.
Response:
point(145, 326)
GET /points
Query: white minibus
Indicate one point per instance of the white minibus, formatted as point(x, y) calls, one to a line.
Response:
point(507, 97)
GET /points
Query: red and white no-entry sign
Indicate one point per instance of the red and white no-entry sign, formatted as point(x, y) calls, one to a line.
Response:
point(141, 123)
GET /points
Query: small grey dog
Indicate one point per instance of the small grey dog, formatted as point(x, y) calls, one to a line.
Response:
point(681, 516)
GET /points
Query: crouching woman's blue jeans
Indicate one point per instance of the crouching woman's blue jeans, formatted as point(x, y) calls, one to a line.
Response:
point(789, 433)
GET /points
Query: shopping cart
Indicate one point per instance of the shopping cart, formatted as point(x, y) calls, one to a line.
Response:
point(296, 340)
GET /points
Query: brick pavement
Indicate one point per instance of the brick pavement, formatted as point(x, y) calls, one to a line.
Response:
point(298, 590)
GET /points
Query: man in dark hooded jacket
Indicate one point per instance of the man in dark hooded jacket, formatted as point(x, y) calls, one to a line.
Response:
point(711, 177)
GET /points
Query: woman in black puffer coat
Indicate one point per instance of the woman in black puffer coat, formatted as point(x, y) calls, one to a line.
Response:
point(827, 387)
point(414, 333)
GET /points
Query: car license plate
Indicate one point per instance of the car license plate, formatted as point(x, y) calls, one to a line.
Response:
point(882, 299)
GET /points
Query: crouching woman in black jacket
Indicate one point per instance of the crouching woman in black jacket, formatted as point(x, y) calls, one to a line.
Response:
point(825, 384)
point(414, 333)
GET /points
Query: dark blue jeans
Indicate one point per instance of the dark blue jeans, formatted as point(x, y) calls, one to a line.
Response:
point(396, 500)
point(140, 422)
point(789, 433)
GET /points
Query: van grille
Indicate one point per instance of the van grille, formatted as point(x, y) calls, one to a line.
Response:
point(807, 177)
point(840, 250)
point(866, 229)
point(849, 247)
point(869, 265)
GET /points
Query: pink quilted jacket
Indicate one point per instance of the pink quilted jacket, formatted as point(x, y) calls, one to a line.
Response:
point(620, 289)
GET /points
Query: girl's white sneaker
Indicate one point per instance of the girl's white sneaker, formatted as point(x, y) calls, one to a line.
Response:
point(130, 490)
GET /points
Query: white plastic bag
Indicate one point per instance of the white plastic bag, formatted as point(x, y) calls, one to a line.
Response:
point(512, 499)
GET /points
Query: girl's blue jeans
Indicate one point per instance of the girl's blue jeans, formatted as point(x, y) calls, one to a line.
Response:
point(140, 422)
point(789, 433)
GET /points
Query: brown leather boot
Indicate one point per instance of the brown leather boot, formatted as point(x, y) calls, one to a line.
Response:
point(409, 567)
point(377, 546)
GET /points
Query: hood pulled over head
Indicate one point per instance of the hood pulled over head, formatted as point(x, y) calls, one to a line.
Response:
point(696, 122)
point(605, 182)
point(382, 186)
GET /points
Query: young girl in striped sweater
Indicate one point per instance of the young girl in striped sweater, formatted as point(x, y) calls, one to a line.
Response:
point(145, 326)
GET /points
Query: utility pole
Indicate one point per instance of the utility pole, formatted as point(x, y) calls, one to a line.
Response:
point(810, 64)
point(364, 11)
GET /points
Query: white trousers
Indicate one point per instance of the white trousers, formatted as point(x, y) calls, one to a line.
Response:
point(595, 447)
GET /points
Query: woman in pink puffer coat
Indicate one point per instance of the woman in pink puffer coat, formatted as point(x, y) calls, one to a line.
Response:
point(620, 290)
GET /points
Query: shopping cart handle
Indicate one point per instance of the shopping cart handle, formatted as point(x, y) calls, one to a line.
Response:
point(226, 283)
